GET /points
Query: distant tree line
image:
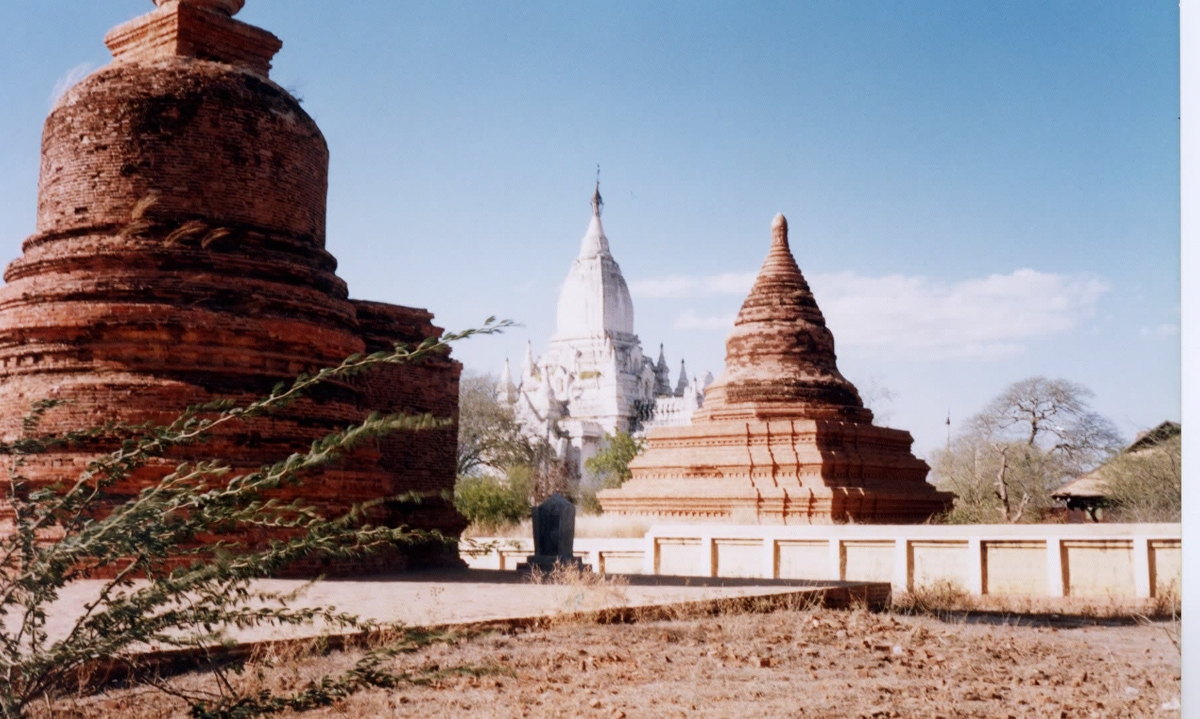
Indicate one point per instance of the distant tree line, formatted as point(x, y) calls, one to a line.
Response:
point(1035, 436)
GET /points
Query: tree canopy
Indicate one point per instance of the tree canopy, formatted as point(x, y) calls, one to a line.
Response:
point(489, 436)
point(503, 470)
point(1030, 438)
point(611, 464)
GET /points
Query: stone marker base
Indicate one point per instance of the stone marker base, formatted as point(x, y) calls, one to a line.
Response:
point(547, 564)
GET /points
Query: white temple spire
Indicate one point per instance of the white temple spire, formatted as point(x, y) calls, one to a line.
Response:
point(527, 363)
point(593, 378)
point(505, 389)
point(594, 301)
point(595, 243)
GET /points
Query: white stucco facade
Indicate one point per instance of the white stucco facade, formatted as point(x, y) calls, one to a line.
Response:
point(593, 378)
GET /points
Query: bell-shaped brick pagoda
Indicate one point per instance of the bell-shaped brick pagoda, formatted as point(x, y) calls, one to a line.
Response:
point(179, 257)
point(782, 436)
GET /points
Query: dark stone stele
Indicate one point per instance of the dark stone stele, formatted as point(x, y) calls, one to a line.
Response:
point(553, 537)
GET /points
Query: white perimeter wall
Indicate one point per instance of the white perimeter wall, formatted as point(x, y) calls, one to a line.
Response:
point(1082, 560)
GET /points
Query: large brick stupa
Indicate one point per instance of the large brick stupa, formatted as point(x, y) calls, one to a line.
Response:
point(179, 256)
point(782, 437)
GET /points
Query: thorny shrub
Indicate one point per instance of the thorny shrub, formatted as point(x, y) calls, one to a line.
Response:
point(165, 588)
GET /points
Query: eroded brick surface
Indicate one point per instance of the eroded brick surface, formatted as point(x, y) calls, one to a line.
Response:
point(179, 257)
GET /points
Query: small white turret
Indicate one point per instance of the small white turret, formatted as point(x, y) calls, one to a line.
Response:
point(683, 379)
point(662, 375)
point(505, 390)
point(527, 364)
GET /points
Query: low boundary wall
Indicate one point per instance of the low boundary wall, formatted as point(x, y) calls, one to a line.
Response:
point(1055, 560)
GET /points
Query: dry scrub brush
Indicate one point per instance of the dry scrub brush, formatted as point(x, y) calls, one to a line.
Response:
point(179, 573)
point(947, 599)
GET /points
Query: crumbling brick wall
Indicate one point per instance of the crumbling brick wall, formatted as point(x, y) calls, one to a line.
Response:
point(421, 462)
point(180, 257)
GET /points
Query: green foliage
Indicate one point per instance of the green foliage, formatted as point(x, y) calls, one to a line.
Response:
point(489, 436)
point(535, 473)
point(490, 442)
point(971, 469)
point(492, 502)
point(178, 565)
point(609, 467)
point(611, 464)
point(1147, 485)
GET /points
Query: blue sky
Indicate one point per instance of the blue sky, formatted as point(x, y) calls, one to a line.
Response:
point(978, 192)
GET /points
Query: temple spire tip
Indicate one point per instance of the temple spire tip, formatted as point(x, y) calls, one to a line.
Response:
point(779, 229)
point(597, 200)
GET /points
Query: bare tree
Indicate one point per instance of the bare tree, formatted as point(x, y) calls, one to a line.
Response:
point(1052, 414)
point(489, 436)
point(875, 395)
point(503, 470)
point(1023, 444)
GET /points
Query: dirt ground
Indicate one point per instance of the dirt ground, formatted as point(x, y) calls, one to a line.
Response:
point(801, 663)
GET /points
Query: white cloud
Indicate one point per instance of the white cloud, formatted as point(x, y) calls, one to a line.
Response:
point(1164, 330)
point(69, 80)
point(920, 318)
point(988, 318)
point(689, 320)
point(729, 283)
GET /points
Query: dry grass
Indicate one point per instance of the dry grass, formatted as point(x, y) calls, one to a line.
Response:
point(583, 592)
point(938, 599)
point(943, 652)
point(945, 598)
point(1167, 602)
point(809, 662)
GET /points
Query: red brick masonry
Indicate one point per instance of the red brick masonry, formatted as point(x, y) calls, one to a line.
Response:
point(179, 257)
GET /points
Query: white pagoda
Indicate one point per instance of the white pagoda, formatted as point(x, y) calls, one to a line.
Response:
point(593, 378)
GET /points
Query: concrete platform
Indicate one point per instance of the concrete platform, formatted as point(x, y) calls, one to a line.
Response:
point(464, 600)
point(475, 596)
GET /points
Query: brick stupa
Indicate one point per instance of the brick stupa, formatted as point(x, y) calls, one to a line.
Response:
point(782, 437)
point(180, 257)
